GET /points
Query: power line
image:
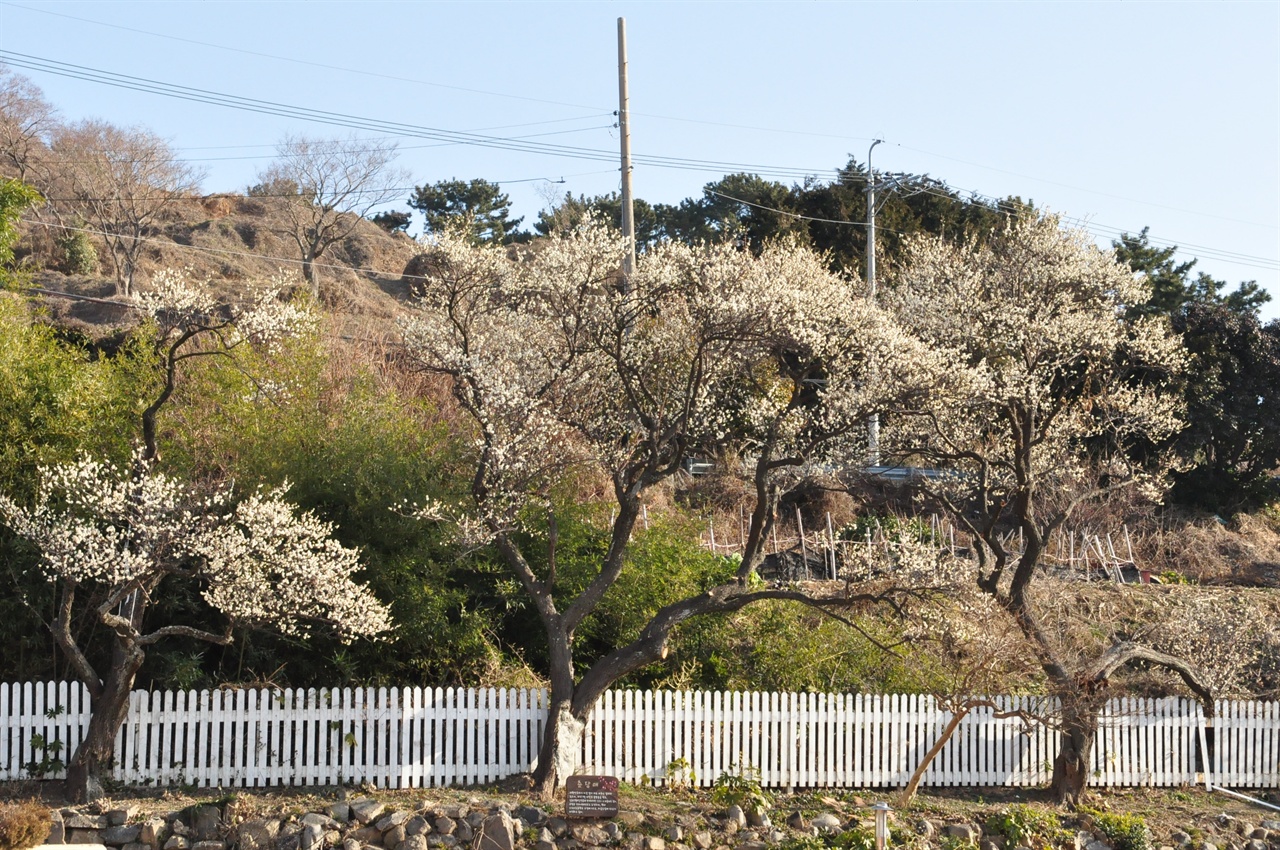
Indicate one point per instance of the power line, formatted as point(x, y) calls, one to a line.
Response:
point(448, 137)
point(682, 119)
point(247, 104)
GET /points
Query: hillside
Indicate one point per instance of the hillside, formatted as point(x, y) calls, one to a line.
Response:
point(230, 240)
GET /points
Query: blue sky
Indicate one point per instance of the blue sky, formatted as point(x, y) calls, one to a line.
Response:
point(1120, 115)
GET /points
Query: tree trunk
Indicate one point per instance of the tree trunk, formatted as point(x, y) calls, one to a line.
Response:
point(561, 746)
point(910, 791)
point(1073, 764)
point(93, 757)
point(562, 737)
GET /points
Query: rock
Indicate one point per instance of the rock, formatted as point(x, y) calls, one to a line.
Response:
point(496, 833)
point(545, 845)
point(558, 826)
point(1255, 844)
point(988, 844)
point(416, 841)
point(701, 840)
point(753, 845)
point(395, 836)
point(633, 841)
point(1180, 838)
point(457, 811)
point(674, 833)
point(797, 821)
point(961, 831)
point(1208, 845)
point(152, 833)
point(416, 825)
point(446, 826)
point(352, 844)
point(118, 836)
point(777, 836)
point(653, 842)
point(759, 819)
point(138, 846)
point(206, 824)
point(209, 845)
point(312, 837)
point(366, 810)
point(826, 822)
point(531, 815)
point(317, 819)
point(83, 836)
point(1097, 844)
point(612, 830)
point(57, 829)
point(178, 826)
point(591, 835)
point(119, 817)
point(79, 821)
point(394, 819)
point(340, 812)
point(630, 820)
point(464, 833)
point(569, 843)
point(736, 817)
point(366, 835)
point(176, 842)
point(434, 840)
point(1271, 824)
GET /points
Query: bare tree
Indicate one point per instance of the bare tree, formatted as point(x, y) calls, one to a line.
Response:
point(119, 181)
point(26, 122)
point(328, 185)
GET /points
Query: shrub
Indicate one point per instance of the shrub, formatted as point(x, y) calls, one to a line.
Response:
point(858, 838)
point(1023, 825)
point(23, 824)
point(742, 789)
point(1123, 831)
point(78, 254)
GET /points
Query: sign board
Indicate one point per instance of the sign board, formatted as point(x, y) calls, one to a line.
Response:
point(591, 797)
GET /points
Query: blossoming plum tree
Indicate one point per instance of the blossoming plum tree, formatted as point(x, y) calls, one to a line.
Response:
point(1060, 392)
point(562, 369)
point(110, 538)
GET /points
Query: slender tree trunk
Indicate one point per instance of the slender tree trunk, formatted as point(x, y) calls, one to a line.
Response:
point(1072, 766)
point(910, 791)
point(93, 757)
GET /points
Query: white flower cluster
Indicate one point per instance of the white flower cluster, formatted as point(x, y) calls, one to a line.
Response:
point(560, 362)
point(264, 317)
point(259, 561)
point(1040, 353)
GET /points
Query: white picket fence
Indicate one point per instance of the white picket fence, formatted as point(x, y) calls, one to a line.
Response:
point(416, 737)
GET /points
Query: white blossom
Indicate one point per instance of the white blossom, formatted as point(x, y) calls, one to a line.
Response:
point(259, 561)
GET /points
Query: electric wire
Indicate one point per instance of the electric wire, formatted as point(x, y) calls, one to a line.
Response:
point(457, 137)
point(247, 104)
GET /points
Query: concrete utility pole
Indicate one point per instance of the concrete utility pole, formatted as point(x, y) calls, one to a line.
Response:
point(624, 130)
point(873, 423)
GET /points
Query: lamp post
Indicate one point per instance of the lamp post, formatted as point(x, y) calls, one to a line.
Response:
point(882, 824)
point(873, 422)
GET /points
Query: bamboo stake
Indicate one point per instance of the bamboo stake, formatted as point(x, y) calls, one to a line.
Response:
point(804, 551)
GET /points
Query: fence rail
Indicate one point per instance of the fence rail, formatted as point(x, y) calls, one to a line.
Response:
point(416, 737)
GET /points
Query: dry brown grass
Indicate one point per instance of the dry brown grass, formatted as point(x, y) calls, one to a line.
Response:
point(23, 824)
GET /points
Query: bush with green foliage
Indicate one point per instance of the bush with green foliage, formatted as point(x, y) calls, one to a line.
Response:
point(740, 786)
point(1124, 831)
point(1023, 825)
point(79, 257)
